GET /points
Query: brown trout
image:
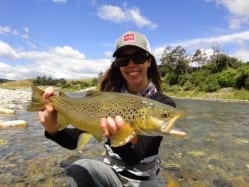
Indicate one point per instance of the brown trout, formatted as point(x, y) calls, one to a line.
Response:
point(142, 116)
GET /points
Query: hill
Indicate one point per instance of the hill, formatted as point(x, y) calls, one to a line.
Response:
point(15, 84)
point(4, 80)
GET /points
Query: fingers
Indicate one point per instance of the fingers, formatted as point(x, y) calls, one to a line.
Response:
point(48, 121)
point(104, 127)
point(48, 117)
point(46, 98)
point(110, 126)
point(41, 116)
point(47, 93)
point(119, 121)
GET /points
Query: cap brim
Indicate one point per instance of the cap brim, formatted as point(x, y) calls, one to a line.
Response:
point(117, 50)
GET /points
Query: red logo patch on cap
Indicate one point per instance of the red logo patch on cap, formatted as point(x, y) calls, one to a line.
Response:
point(129, 37)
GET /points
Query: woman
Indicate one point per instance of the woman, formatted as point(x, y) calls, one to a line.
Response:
point(134, 70)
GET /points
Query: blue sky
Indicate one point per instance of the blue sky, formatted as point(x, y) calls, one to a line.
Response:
point(74, 39)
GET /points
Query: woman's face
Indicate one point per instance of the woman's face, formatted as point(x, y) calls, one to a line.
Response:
point(134, 73)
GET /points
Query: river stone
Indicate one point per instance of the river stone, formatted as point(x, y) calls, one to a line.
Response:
point(14, 123)
point(7, 111)
point(3, 142)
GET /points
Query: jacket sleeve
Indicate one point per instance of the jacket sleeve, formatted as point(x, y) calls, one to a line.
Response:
point(67, 137)
point(159, 96)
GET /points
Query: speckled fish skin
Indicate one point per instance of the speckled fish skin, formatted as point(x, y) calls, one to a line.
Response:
point(142, 116)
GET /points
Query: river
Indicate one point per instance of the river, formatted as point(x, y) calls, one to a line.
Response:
point(214, 153)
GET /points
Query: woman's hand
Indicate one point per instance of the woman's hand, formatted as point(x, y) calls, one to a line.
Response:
point(111, 126)
point(48, 117)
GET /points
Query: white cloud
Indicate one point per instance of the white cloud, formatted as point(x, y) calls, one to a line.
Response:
point(57, 62)
point(238, 10)
point(238, 40)
point(242, 54)
point(139, 20)
point(67, 62)
point(59, 1)
point(7, 51)
point(111, 13)
point(6, 30)
point(68, 52)
point(119, 15)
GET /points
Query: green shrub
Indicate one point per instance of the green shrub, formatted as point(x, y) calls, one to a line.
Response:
point(170, 78)
point(198, 77)
point(188, 86)
point(210, 84)
point(247, 83)
point(241, 77)
point(227, 77)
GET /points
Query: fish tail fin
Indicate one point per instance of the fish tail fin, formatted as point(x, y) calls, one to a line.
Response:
point(36, 103)
point(83, 140)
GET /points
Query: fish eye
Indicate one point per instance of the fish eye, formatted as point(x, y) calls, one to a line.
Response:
point(165, 114)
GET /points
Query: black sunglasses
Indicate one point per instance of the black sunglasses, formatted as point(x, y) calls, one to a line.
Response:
point(136, 58)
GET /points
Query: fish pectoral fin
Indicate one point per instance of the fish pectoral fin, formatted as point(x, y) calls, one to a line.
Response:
point(125, 134)
point(84, 138)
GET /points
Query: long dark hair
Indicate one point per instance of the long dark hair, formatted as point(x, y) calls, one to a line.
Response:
point(113, 80)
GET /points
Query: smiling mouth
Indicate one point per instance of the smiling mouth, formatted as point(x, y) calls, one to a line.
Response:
point(133, 73)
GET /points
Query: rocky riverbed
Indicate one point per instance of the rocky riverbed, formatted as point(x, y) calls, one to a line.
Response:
point(25, 158)
point(215, 153)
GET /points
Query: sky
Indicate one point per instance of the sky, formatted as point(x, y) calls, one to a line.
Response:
point(75, 39)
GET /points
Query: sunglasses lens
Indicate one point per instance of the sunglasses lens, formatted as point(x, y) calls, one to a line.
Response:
point(137, 59)
point(122, 61)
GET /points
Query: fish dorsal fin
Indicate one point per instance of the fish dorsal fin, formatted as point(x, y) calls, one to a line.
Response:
point(148, 104)
point(125, 134)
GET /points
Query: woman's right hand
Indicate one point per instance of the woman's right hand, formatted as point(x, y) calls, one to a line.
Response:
point(48, 117)
point(111, 126)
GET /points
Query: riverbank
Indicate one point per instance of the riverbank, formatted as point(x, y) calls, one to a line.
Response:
point(223, 95)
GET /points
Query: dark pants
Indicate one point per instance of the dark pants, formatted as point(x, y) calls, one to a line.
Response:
point(93, 173)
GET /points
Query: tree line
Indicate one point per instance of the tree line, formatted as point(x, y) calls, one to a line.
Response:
point(202, 73)
point(198, 72)
point(63, 83)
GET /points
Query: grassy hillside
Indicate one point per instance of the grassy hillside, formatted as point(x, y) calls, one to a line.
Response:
point(221, 94)
point(3, 80)
point(9, 84)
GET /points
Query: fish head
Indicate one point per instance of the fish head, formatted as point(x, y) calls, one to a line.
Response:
point(159, 118)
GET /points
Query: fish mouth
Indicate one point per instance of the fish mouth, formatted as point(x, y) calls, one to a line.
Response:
point(168, 124)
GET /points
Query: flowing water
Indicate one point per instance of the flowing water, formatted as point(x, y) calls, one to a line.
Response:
point(215, 152)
